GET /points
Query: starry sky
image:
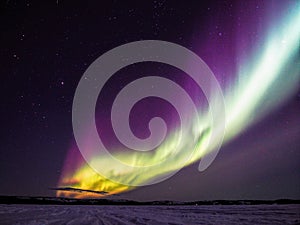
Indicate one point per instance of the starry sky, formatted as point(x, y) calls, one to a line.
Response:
point(46, 48)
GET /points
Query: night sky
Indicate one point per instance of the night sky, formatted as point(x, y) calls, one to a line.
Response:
point(46, 48)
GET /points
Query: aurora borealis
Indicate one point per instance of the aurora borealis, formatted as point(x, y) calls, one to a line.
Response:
point(245, 102)
point(252, 48)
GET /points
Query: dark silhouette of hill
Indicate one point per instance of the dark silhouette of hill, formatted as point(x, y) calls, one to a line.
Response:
point(103, 201)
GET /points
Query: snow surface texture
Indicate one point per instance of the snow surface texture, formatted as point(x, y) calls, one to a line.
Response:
point(214, 214)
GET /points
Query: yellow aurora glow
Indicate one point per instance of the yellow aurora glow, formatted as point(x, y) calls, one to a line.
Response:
point(245, 104)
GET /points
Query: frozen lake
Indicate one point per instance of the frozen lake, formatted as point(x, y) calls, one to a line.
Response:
point(88, 214)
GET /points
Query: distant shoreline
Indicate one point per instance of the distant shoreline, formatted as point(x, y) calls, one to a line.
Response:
point(103, 201)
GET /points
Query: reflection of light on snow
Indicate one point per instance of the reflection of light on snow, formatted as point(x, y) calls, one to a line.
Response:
point(171, 214)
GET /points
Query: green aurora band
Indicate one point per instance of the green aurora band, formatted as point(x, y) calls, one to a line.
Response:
point(257, 91)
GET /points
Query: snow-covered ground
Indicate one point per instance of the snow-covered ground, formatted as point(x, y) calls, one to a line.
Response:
point(214, 214)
